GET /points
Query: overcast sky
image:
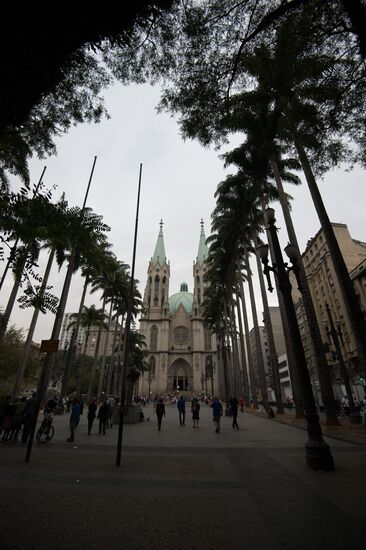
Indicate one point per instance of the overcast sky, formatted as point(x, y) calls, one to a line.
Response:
point(178, 183)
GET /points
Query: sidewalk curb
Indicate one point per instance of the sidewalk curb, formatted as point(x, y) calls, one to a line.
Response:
point(355, 439)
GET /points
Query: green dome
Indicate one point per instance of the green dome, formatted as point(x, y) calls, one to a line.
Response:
point(183, 297)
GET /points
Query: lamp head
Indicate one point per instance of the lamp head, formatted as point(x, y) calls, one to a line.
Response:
point(291, 252)
point(263, 251)
point(269, 216)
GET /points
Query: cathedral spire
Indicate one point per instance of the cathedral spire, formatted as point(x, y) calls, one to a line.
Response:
point(202, 247)
point(159, 253)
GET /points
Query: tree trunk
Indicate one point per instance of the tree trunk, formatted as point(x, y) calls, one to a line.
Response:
point(109, 379)
point(102, 367)
point(356, 11)
point(8, 263)
point(48, 358)
point(82, 361)
point(269, 331)
point(235, 352)
point(118, 368)
point(258, 344)
point(355, 315)
point(249, 349)
point(4, 319)
point(245, 381)
point(28, 342)
point(95, 359)
point(223, 354)
point(323, 369)
point(111, 362)
point(72, 346)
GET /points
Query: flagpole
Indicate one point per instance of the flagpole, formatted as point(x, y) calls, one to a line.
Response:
point(126, 334)
point(48, 357)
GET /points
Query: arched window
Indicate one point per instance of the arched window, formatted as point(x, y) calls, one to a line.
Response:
point(152, 367)
point(198, 289)
point(208, 366)
point(153, 338)
point(157, 283)
point(207, 339)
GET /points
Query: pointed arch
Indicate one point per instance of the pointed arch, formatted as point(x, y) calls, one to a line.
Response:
point(154, 338)
point(152, 367)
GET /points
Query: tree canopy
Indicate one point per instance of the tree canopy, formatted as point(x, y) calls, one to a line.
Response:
point(51, 70)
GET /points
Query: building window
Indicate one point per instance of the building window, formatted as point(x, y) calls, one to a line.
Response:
point(157, 283)
point(153, 338)
point(207, 339)
point(152, 367)
point(181, 335)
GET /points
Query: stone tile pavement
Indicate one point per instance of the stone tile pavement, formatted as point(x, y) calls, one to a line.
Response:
point(182, 488)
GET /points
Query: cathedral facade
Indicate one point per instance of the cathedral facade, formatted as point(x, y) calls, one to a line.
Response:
point(182, 353)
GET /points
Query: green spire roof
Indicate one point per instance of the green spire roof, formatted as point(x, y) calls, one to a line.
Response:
point(202, 247)
point(159, 253)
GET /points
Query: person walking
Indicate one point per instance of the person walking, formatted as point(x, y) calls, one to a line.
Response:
point(234, 403)
point(181, 404)
point(18, 418)
point(28, 412)
point(241, 403)
point(8, 422)
point(112, 405)
point(195, 409)
point(103, 415)
point(216, 413)
point(92, 413)
point(160, 412)
point(74, 418)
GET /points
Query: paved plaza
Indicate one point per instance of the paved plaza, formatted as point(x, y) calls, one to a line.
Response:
point(182, 488)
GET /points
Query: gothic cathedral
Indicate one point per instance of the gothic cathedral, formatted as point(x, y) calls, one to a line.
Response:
point(182, 354)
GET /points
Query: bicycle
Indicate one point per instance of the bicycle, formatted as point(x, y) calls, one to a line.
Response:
point(46, 430)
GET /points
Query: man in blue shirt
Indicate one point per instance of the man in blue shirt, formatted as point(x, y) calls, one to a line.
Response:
point(217, 413)
point(181, 404)
point(74, 418)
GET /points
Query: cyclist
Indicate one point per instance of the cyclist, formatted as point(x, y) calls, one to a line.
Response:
point(48, 411)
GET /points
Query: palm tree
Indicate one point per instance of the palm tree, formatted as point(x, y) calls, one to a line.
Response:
point(86, 232)
point(237, 214)
point(28, 220)
point(39, 298)
point(258, 155)
point(90, 317)
point(308, 126)
point(112, 277)
point(91, 267)
point(243, 356)
point(127, 308)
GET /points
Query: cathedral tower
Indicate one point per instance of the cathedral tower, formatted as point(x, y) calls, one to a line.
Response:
point(157, 288)
point(181, 352)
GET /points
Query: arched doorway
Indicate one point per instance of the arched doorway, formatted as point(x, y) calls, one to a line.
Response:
point(180, 376)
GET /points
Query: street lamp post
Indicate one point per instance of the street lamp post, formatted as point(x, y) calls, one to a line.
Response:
point(336, 335)
point(212, 376)
point(210, 373)
point(149, 378)
point(318, 454)
point(224, 362)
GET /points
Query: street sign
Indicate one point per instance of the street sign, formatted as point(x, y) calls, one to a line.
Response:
point(49, 346)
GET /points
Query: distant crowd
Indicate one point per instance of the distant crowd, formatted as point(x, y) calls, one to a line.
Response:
point(17, 415)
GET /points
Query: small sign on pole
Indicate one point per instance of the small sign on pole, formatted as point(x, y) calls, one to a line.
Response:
point(49, 346)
